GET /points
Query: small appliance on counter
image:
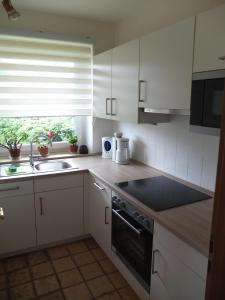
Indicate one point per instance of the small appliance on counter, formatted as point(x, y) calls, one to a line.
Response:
point(83, 149)
point(120, 149)
point(107, 147)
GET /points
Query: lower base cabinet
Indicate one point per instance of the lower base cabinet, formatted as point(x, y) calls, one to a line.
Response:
point(99, 208)
point(59, 215)
point(178, 271)
point(17, 228)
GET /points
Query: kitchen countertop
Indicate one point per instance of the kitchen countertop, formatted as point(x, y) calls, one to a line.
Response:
point(191, 223)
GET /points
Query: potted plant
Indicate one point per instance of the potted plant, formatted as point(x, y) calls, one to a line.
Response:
point(72, 140)
point(43, 144)
point(12, 135)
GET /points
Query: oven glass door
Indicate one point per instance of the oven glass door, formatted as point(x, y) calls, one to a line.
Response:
point(133, 245)
point(213, 102)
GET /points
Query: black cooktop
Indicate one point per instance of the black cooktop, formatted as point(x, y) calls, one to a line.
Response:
point(161, 193)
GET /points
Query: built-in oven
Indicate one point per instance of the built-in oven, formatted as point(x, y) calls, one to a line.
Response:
point(132, 237)
point(207, 98)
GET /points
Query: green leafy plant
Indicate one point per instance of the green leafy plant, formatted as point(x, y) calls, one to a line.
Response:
point(72, 138)
point(12, 134)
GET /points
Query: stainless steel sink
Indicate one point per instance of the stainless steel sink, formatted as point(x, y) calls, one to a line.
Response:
point(52, 165)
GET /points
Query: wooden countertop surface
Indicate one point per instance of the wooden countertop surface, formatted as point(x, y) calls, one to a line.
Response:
point(191, 222)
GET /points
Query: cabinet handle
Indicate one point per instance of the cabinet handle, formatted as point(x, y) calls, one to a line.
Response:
point(154, 271)
point(142, 90)
point(106, 222)
point(2, 215)
point(41, 206)
point(222, 57)
point(98, 186)
point(112, 114)
point(10, 189)
point(106, 107)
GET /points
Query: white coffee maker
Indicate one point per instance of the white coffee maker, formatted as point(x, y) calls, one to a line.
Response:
point(120, 149)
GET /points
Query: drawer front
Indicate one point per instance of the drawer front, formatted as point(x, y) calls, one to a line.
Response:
point(16, 188)
point(186, 254)
point(58, 182)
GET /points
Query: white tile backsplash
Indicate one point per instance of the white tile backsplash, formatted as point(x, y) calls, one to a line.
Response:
point(175, 148)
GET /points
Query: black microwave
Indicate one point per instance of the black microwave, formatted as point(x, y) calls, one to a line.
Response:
point(207, 98)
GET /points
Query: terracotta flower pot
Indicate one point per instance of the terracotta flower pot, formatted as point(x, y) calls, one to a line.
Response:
point(73, 148)
point(15, 153)
point(43, 151)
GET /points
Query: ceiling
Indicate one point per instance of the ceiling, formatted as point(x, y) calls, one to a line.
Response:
point(102, 10)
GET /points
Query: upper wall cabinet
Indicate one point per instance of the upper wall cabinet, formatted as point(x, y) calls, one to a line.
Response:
point(210, 40)
point(116, 83)
point(102, 85)
point(166, 58)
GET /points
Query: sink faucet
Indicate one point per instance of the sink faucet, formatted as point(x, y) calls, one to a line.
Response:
point(32, 156)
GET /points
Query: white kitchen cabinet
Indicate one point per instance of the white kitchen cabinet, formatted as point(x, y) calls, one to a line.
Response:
point(125, 75)
point(99, 206)
point(102, 71)
point(17, 223)
point(166, 58)
point(178, 271)
point(209, 51)
point(59, 215)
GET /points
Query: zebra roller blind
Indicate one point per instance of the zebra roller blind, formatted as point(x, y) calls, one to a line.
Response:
point(40, 77)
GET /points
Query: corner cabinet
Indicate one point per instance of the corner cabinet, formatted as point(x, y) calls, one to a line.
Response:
point(209, 51)
point(59, 208)
point(178, 271)
point(166, 58)
point(99, 213)
point(17, 220)
point(116, 83)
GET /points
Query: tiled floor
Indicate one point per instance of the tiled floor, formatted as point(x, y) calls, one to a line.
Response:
point(77, 271)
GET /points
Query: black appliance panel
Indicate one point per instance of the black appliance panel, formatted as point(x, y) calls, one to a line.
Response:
point(161, 193)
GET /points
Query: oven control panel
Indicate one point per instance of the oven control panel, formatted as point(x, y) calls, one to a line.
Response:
point(124, 205)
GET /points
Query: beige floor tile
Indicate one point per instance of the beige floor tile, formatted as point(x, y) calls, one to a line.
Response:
point(91, 243)
point(98, 253)
point(63, 264)
point(77, 247)
point(2, 281)
point(1, 268)
point(58, 252)
point(100, 286)
point(22, 292)
point(15, 263)
point(69, 278)
point(4, 295)
point(54, 296)
point(84, 258)
point(46, 285)
point(107, 266)
point(19, 277)
point(80, 292)
point(111, 296)
point(128, 294)
point(37, 258)
point(42, 270)
point(91, 271)
point(117, 280)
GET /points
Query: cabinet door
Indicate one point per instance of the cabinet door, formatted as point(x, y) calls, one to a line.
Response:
point(210, 40)
point(166, 67)
point(17, 227)
point(125, 71)
point(59, 215)
point(100, 214)
point(102, 85)
point(172, 279)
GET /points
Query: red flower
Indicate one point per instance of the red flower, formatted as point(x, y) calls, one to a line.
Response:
point(51, 135)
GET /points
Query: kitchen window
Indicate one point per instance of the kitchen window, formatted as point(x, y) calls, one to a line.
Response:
point(44, 77)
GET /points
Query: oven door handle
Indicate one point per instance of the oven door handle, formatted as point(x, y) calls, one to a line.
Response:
point(137, 231)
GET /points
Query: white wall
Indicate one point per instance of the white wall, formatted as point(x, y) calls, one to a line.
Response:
point(174, 148)
point(102, 33)
point(157, 14)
